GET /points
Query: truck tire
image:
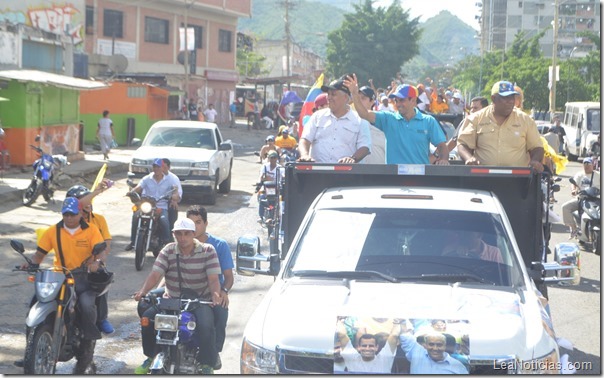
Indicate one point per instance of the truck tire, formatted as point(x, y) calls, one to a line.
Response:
point(211, 198)
point(225, 186)
point(570, 156)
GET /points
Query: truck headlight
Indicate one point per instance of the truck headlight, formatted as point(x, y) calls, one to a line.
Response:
point(202, 165)
point(257, 360)
point(139, 161)
point(166, 322)
point(548, 364)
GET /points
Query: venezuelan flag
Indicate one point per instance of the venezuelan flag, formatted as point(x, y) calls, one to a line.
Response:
point(309, 103)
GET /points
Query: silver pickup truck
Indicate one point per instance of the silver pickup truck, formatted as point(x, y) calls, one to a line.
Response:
point(199, 156)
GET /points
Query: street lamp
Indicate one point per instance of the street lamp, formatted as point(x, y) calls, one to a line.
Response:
point(569, 69)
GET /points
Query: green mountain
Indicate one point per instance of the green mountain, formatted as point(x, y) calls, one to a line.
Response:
point(445, 40)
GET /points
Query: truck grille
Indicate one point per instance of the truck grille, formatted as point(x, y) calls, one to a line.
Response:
point(180, 168)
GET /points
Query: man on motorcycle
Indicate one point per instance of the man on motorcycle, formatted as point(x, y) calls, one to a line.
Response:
point(284, 140)
point(268, 147)
point(199, 215)
point(73, 244)
point(79, 192)
point(589, 177)
point(155, 184)
point(173, 206)
point(187, 264)
point(268, 172)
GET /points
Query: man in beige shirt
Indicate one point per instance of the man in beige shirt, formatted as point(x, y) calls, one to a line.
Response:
point(501, 135)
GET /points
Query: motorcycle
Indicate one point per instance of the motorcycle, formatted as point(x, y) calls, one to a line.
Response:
point(549, 187)
point(147, 233)
point(273, 207)
point(46, 169)
point(289, 156)
point(175, 323)
point(53, 323)
point(588, 217)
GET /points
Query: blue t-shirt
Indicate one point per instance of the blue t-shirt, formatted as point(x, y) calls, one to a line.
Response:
point(408, 142)
point(224, 254)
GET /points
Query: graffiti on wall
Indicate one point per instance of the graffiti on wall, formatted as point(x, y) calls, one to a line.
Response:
point(65, 18)
point(60, 139)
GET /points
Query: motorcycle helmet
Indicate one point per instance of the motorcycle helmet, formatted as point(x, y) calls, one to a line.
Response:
point(100, 281)
point(77, 191)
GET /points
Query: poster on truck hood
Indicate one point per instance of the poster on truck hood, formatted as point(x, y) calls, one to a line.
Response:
point(369, 345)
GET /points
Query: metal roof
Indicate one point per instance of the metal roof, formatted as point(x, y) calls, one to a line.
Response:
point(51, 79)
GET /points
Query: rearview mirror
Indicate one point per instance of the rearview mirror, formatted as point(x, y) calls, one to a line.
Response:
point(17, 246)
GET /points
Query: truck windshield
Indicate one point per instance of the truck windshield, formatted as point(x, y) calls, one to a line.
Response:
point(180, 137)
point(408, 244)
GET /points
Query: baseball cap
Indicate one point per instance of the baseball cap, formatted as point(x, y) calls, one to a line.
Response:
point(503, 88)
point(158, 162)
point(588, 160)
point(272, 154)
point(184, 224)
point(448, 93)
point(367, 91)
point(321, 100)
point(270, 138)
point(336, 85)
point(404, 91)
point(70, 205)
point(457, 95)
point(383, 97)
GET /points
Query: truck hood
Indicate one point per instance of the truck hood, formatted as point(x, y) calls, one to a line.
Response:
point(302, 312)
point(179, 154)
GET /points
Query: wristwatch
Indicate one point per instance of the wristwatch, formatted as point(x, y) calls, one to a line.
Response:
point(224, 289)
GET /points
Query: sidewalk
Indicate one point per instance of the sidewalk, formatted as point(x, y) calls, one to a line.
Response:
point(13, 182)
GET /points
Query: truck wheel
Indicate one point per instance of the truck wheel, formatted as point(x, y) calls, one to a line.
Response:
point(570, 156)
point(38, 351)
point(225, 186)
point(211, 198)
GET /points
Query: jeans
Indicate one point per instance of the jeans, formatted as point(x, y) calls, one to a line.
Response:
point(204, 331)
point(163, 227)
point(86, 304)
point(261, 205)
point(102, 308)
point(172, 216)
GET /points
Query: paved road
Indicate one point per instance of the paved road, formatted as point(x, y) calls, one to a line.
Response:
point(576, 310)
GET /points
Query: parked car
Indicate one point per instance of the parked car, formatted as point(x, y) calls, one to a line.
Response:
point(199, 156)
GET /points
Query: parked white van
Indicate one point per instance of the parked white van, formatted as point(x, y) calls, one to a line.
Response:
point(582, 126)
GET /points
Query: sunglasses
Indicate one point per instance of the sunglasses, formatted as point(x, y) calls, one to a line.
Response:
point(70, 214)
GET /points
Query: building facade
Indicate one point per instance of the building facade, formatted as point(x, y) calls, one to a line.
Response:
point(501, 20)
point(304, 64)
point(145, 41)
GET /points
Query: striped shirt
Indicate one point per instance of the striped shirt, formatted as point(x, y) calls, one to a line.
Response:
point(194, 269)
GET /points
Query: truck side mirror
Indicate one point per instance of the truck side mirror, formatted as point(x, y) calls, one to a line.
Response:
point(565, 268)
point(135, 142)
point(225, 146)
point(249, 259)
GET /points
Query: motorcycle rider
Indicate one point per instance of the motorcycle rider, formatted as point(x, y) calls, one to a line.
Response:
point(77, 239)
point(173, 207)
point(269, 146)
point(268, 172)
point(284, 140)
point(588, 178)
point(79, 192)
point(155, 184)
point(199, 269)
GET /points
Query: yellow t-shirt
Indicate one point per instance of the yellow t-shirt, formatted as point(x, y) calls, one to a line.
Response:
point(101, 223)
point(76, 247)
point(289, 142)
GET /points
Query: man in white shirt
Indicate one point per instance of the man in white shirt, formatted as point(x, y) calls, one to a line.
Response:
point(385, 105)
point(335, 134)
point(589, 177)
point(173, 205)
point(378, 139)
point(210, 113)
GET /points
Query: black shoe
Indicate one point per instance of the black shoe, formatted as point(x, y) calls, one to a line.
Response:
point(218, 364)
point(19, 363)
point(129, 247)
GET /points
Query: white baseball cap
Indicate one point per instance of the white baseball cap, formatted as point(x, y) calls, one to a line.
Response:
point(184, 224)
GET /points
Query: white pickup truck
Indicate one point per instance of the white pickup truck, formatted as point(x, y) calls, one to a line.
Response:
point(406, 269)
point(199, 156)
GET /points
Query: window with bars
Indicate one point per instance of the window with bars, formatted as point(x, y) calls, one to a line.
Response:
point(113, 23)
point(198, 35)
point(224, 40)
point(157, 30)
point(89, 20)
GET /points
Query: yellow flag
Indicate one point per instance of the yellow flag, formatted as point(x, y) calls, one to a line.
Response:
point(99, 178)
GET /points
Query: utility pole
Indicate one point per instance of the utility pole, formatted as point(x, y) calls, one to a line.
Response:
point(552, 103)
point(186, 29)
point(287, 4)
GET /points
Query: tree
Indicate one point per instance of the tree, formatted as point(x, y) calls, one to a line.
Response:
point(250, 63)
point(373, 43)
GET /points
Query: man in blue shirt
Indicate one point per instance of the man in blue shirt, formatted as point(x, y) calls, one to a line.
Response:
point(155, 184)
point(199, 215)
point(431, 358)
point(408, 131)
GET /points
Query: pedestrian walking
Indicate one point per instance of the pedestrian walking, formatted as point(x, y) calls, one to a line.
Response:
point(105, 134)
